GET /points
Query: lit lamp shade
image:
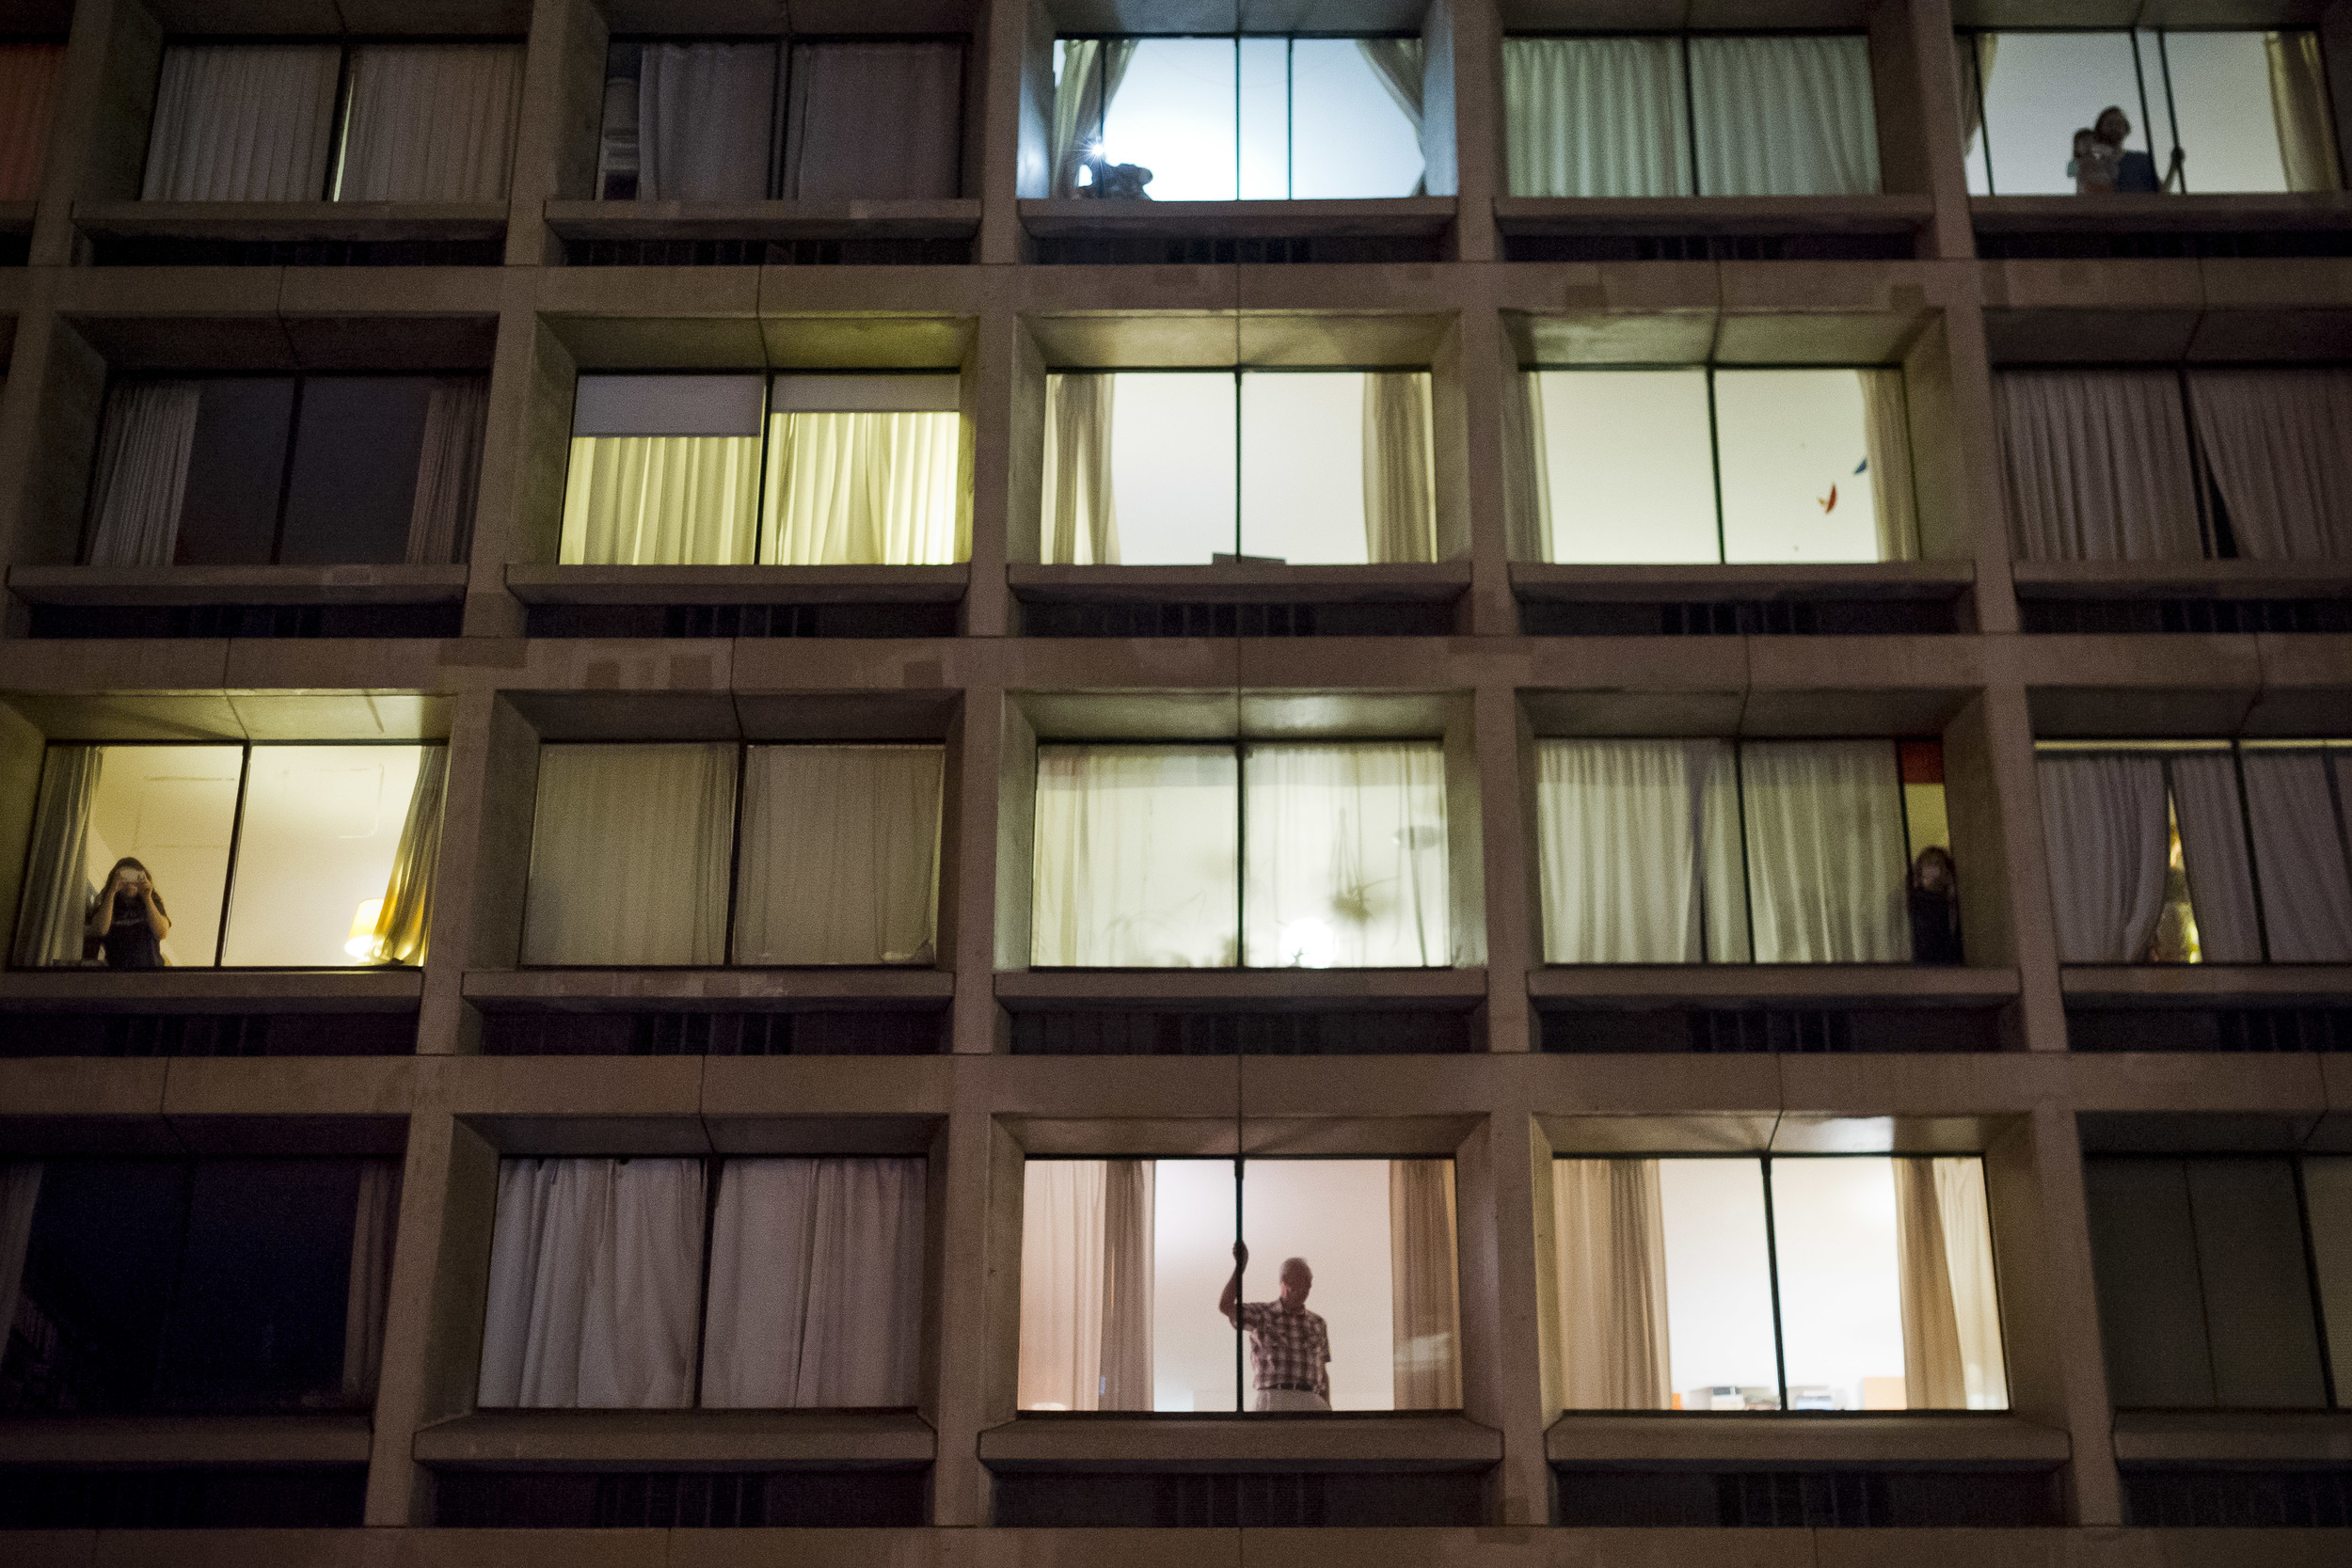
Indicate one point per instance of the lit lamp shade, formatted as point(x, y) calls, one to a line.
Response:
point(363, 942)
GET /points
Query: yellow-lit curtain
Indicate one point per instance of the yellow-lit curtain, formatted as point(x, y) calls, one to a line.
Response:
point(375, 1224)
point(404, 923)
point(865, 490)
point(1426, 1309)
point(1400, 501)
point(2298, 105)
point(1086, 1285)
point(1609, 1233)
point(1081, 510)
point(1886, 444)
point(661, 500)
point(28, 97)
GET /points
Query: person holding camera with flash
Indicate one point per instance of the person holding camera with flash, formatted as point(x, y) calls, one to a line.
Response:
point(128, 918)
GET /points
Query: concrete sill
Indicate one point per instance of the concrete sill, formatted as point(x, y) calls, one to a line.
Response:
point(337, 1439)
point(166, 585)
point(252, 990)
point(1713, 215)
point(1344, 1441)
point(764, 220)
point(2151, 579)
point(1412, 216)
point(1569, 986)
point(2234, 1437)
point(293, 220)
point(2172, 213)
point(1268, 990)
point(1440, 583)
point(638, 1439)
point(2207, 985)
point(737, 584)
point(1885, 579)
point(701, 989)
point(1950, 1439)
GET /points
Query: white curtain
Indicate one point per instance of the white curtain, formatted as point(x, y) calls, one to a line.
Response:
point(1783, 116)
point(1137, 858)
point(840, 855)
point(1968, 1265)
point(404, 924)
point(1400, 501)
point(1526, 469)
point(661, 500)
point(874, 122)
point(2212, 851)
point(143, 472)
point(1639, 851)
point(19, 1191)
point(2298, 110)
point(705, 112)
point(816, 1285)
point(375, 1221)
point(54, 919)
point(1090, 73)
point(1424, 1290)
point(2278, 443)
point(1596, 117)
point(1087, 1283)
point(28, 102)
point(1827, 866)
point(449, 472)
point(243, 122)
point(1886, 447)
point(430, 121)
point(596, 1272)
point(629, 855)
point(1345, 850)
point(1952, 1358)
point(1081, 514)
point(2096, 466)
point(1403, 67)
point(865, 490)
point(2103, 822)
point(1609, 1236)
point(2299, 851)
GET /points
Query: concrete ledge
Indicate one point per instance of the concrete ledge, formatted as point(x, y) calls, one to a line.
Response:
point(1713, 215)
point(293, 220)
point(1275, 989)
point(2232, 1439)
point(737, 584)
point(185, 1440)
point(2207, 985)
point(1434, 584)
point(2148, 579)
point(1889, 579)
point(1083, 217)
point(1947, 1439)
point(592, 989)
point(665, 1439)
point(1344, 1441)
point(164, 585)
point(1804, 985)
point(2127, 214)
point(174, 991)
point(764, 220)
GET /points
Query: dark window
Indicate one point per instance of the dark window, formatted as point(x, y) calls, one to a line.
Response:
point(237, 464)
point(354, 480)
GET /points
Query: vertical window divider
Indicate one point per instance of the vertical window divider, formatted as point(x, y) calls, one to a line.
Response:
point(1241, 875)
point(1237, 114)
point(339, 122)
point(1241, 1379)
point(713, 1168)
point(2197, 1254)
point(735, 853)
point(286, 467)
point(2139, 76)
point(2245, 836)
point(759, 506)
point(781, 81)
point(1772, 1268)
point(1290, 119)
point(1715, 468)
point(2171, 113)
point(2208, 525)
point(2311, 1281)
point(229, 878)
point(1747, 877)
point(1690, 130)
point(1237, 381)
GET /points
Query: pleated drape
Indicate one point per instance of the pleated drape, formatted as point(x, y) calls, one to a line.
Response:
point(703, 116)
point(2301, 853)
point(629, 855)
point(19, 1191)
point(1081, 512)
point(1526, 469)
point(1346, 856)
point(1827, 866)
point(1639, 847)
point(865, 490)
point(404, 925)
point(2213, 850)
point(142, 473)
point(430, 122)
point(840, 862)
point(1400, 499)
point(2299, 107)
point(28, 101)
point(1609, 1234)
point(873, 121)
point(1090, 73)
point(661, 500)
point(243, 122)
point(1086, 1243)
point(816, 1285)
point(1784, 116)
point(1137, 856)
point(1130, 1219)
point(1886, 446)
point(2096, 464)
point(596, 1272)
point(1596, 117)
point(449, 472)
point(2278, 443)
point(1425, 1303)
point(2103, 822)
point(52, 922)
point(1934, 1377)
point(375, 1224)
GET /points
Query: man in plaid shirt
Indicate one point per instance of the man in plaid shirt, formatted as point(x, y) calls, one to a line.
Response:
point(1289, 1348)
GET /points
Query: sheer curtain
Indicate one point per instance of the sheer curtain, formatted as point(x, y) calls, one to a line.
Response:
point(1346, 856)
point(449, 472)
point(2103, 822)
point(404, 925)
point(2299, 107)
point(1400, 504)
point(1827, 868)
point(1090, 73)
point(1886, 448)
point(1596, 117)
point(54, 917)
point(661, 500)
point(816, 1285)
point(2213, 850)
point(143, 472)
point(1137, 856)
point(28, 101)
point(704, 118)
point(1783, 116)
point(243, 122)
point(629, 855)
point(1968, 1264)
point(1080, 511)
point(1403, 67)
point(2097, 466)
point(873, 121)
point(1086, 1245)
point(1609, 1233)
point(2278, 443)
point(1425, 1303)
point(1639, 843)
point(20, 1190)
point(1526, 469)
point(430, 121)
point(596, 1272)
point(1952, 1358)
point(375, 1224)
point(864, 489)
point(840, 860)
point(2300, 850)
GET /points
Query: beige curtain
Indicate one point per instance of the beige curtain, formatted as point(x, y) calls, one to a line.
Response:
point(1344, 856)
point(28, 100)
point(448, 471)
point(1609, 1231)
point(375, 1224)
point(1526, 469)
point(1639, 852)
point(840, 855)
point(2279, 444)
point(403, 926)
point(865, 490)
point(1086, 1285)
point(20, 1190)
point(2210, 812)
point(430, 121)
point(1081, 514)
point(1596, 117)
point(629, 855)
point(1932, 1375)
point(1784, 116)
point(1968, 1263)
point(873, 120)
point(2103, 824)
point(1426, 1309)
point(143, 472)
point(243, 122)
point(1090, 73)
point(2097, 466)
point(1137, 856)
point(661, 500)
point(1886, 444)
point(54, 918)
point(1129, 1190)
point(1826, 856)
point(1400, 503)
point(2299, 107)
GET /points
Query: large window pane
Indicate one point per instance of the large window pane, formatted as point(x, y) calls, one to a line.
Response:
point(1173, 455)
point(1629, 463)
point(2222, 84)
point(2258, 1300)
point(353, 488)
point(2327, 1193)
point(1334, 1214)
point(1796, 480)
point(1173, 114)
point(316, 849)
point(1826, 862)
point(1719, 1284)
point(105, 1248)
point(1346, 850)
point(629, 855)
point(2041, 88)
point(664, 471)
point(237, 464)
point(2152, 1313)
point(1137, 856)
point(1350, 139)
point(1840, 1292)
point(1193, 1348)
point(865, 471)
point(1302, 467)
point(173, 809)
point(840, 855)
point(1265, 64)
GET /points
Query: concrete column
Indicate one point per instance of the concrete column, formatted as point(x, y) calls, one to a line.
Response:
point(98, 140)
point(1004, 476)
point(555, 142)
point(1477, 27)
point(1015, 122)
point(444, 1023)
point(1481, 359)
point(979, 1306)
point(49, 423)
point(979, 750)
point(1496, 1207)
point(1913, 73)
point(526, 444)
point(1995, 798)
point(1505, 823)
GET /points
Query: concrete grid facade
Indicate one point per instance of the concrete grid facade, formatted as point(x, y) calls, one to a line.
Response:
point(534, 324)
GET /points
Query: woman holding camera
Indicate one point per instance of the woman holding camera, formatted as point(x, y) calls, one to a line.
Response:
point(129, 919)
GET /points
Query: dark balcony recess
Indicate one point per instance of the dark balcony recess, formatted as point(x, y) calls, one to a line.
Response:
point(1154, 250)
point(861, 1033)
point(1195, 618)
point(183, 1497)
point(1777, 1031)
point(2200, 617)
point(89, 1034)
point(679, 1500)
point(81, 622)
point(877, 251)
point(1822, 617)
point(2261, 1030)
point(2238, 1499)
point(1117, 1032)
point(165, 250)
point(916, 619)
point(1709, 248)
point(1045, 1499)
point(1810, 1500)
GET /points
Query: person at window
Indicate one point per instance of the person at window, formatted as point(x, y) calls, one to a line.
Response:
point(2109, 167)
point(1115, 181)
point(128, 918)
point(2092, 167)
point(1289, 1348)
point(1934, 908)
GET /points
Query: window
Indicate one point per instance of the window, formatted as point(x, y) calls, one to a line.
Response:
point(377, 121)
point(2215, 1277)
point(665, 1284)
point(2192, 101)
point(2150, 855)
point(1251, 118)
point(28, 101)
point(1123, 1263)
point(208, 1286)
point(276, 856)
point(695, 121)
point(1716, 851)
point(859, 470)
point(1303, 466)
point(250, 470)
point(1688, 463)
point(1297, 856)
point(641, 855)
point(1661, 116)
point(1845, 1282)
